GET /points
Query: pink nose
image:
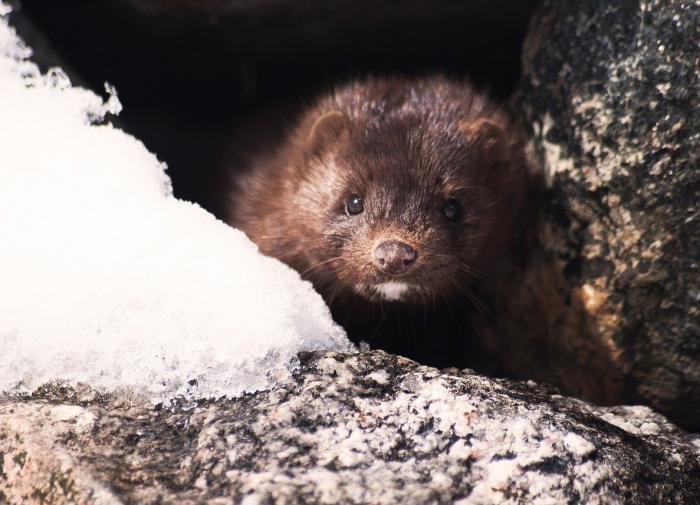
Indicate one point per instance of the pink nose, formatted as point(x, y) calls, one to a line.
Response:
point(393, 257)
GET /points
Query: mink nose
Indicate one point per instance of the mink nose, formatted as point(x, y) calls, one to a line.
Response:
point(393, 257)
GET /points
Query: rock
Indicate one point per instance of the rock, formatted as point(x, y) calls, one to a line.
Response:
point(611, 93)
point(367, 428)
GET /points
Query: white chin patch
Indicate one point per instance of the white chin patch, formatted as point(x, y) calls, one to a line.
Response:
point(392, 290)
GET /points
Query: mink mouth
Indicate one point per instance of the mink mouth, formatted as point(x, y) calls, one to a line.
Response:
point(423, 282)
point(392, 291)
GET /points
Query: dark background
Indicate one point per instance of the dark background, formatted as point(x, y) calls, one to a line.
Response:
point(189, 72)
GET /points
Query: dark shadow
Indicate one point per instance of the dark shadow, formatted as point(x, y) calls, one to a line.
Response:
point(187, 76)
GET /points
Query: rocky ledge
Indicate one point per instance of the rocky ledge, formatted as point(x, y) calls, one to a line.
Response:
point(364, 428)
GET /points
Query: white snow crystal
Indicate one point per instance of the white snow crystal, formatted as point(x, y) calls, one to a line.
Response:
point(106, 278)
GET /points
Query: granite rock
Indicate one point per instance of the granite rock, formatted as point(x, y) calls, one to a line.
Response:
point(611, 93)
point(364, 428)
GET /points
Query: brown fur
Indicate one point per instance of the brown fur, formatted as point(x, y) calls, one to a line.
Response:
point(407, 147)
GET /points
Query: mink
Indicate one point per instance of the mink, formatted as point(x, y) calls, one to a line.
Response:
point(401, 200)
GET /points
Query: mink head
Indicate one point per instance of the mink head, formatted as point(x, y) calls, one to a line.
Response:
point(405, 194)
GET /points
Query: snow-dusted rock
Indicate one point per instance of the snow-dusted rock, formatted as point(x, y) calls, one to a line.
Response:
point(367, 428)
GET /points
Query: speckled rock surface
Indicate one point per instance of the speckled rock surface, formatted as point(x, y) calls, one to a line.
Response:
point(368, 428)
point(611, 93)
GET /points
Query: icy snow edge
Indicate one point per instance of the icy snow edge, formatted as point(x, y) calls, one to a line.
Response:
point(107, 279)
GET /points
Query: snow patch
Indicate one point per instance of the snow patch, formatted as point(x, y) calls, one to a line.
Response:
point(107, 279)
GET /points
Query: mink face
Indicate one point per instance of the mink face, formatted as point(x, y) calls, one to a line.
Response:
point(390, 190)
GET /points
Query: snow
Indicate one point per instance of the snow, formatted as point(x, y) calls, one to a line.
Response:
point(107, 279)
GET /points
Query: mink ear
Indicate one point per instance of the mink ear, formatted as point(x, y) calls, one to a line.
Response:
point(327, 131)
point(487, 135)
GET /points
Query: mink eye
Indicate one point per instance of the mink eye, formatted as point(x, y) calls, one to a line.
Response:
point(354, 205)
point(452, 210)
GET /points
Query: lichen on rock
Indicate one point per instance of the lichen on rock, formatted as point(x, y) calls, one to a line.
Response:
point(610, 93)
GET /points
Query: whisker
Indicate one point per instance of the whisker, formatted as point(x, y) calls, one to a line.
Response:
point(334, 290)
point(456, 317)
point(381, 319)
point(482, 277)
point(319, 264)
point(425, 310)
point(474, 299)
